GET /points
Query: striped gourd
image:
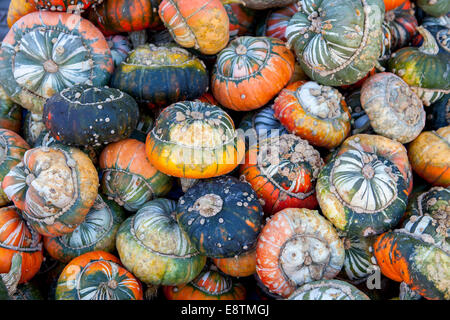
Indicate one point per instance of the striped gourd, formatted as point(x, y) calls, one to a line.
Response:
point(194, 140)
point(128, 177)
point(208, 285)
point(54, 186)
point(96, 232)
point(358, 264)
point(97, 275)
point(337, 42)
point(222, 217)
point(424, 69)
point(251, 71)
point(12, 149)
point(362, 191)
point(242, 19)
point(328, 290)
point(17, 237)
point(46, 52)
point(152, 246)
point(297, 246)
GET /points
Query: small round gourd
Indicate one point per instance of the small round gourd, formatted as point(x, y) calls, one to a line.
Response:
point(128, 177)
point(418, 254)
point(55, 187)
point(97, 115)
point(429, 155)
point(194, 140)
point(153, 247)
point(243, 265)
point(10, 113)
point(283, 172)
point(196, 24)
point(251, 71)
point(316, 113)
point(97, 275)
point(209, 285)
point(337, 43)
point(46, 52)
point(17, 237)
point(361, 190)
point(297, 246)
point(160, 76)
point(222, 217)
point(424, 69)
point(12, 149)
point(328, 290)
point(96, 232)
point(393, 108)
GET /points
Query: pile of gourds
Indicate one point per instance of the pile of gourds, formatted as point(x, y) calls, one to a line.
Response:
point(239, 149)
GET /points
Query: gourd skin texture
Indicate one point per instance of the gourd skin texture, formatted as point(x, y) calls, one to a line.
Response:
point(243, 265)
point(328, 290)
point(63, 185)
point(265, 4)
point(163, 255)
point(340, 42)
point(202, 25)
point(10, 113)
point(42, 67)
point(434, 8)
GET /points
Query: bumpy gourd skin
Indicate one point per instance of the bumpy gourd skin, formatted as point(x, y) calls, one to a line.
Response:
point(328, 290)
point(337, 42)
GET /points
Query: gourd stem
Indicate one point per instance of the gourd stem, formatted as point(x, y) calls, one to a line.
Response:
point(429, 45)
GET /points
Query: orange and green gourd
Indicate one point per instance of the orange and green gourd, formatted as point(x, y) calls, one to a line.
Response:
point(97, 275)
point(194, 140)
point(128, 177)
point(17, 237)
point(251, 71)
point(10, 113)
